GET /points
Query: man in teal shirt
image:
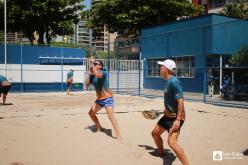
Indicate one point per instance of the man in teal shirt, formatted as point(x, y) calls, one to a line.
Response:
point(69, 81)
point(174, 114)
point(4, 87)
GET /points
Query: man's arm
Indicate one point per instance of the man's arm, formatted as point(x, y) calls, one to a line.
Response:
point(180, 116)
point(180, 109)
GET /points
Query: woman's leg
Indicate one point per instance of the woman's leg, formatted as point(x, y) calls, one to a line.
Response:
point(92, 113)
point(113, 120)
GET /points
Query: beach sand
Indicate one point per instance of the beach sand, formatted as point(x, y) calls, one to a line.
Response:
point(55, 129)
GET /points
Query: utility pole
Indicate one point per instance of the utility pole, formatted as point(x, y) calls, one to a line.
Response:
point(5, 37)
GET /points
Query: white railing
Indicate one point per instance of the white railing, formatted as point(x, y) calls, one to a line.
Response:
point(121, 65)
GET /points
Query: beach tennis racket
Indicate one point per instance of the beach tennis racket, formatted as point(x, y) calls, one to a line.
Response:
point(151, 114)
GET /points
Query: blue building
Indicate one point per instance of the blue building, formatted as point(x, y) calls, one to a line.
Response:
point(196, 44)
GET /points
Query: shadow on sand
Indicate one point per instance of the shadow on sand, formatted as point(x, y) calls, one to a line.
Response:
point(93, 128)
point(1, 104)
point(168, 158)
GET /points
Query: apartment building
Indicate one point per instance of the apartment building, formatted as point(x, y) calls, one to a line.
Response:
point(82, 34)
point(101, 43)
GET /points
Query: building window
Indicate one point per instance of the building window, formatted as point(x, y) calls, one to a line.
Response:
point(217, 3)
point(185, 66)
point(153, 67)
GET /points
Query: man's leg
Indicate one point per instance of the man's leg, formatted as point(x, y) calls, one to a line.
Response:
point(4, 98)
point(172, 141)
point(156, 134)
point(92, 113)
point(67, 90)
point(113, 120)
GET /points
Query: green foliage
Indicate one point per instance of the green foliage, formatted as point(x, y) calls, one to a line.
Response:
point(55, 44)
point(1, 16)
point(129, 16)
point(46, 17)
point(100, 54)
point(104, 55)
point(236, 10)
point(240, 58)
point(1, 37)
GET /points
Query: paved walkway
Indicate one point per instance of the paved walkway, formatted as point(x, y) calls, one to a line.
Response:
point(215, 99)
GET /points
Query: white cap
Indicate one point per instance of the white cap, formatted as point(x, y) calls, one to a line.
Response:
point(72, 69)
point(169, 64)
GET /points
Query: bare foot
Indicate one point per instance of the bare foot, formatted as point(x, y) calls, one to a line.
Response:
point(120, 139)
point(99, 129)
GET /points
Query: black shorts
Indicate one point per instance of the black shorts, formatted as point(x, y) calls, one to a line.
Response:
point(4, 89)
point(167, 123)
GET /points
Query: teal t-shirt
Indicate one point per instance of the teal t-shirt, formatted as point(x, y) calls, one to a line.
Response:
point(172, 91)
point(2, 78)
point(101, 84)
point(69, 75)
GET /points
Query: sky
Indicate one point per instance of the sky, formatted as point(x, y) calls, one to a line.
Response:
point(87, 4)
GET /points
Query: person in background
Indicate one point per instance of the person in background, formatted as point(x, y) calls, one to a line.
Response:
point(4, 87)
point(225, 85)
point(69, 81)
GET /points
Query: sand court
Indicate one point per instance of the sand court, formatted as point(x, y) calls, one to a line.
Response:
point(52, 128)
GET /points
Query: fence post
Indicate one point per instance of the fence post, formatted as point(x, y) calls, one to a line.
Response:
point(118, 66)
point(221, 63)
point(204, 66)
point(108, 57)
point(22, 90)
point(204, 84)
point(139, 64)
point(5, 38)
point(62, 63)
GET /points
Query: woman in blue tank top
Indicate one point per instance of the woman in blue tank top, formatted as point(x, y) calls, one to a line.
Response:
point(99, 79)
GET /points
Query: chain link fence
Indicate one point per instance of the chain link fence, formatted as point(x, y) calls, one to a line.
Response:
point(44, 69)
point(37, 69)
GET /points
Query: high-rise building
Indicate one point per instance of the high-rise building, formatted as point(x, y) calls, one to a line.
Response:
point(82, 34)
point(101, 42)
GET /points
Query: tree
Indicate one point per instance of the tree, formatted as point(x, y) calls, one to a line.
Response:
point(236, 10)
point(240, 61)
point(46, 17)
point(129, 16)
point(240, 58)
point(1, 15)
